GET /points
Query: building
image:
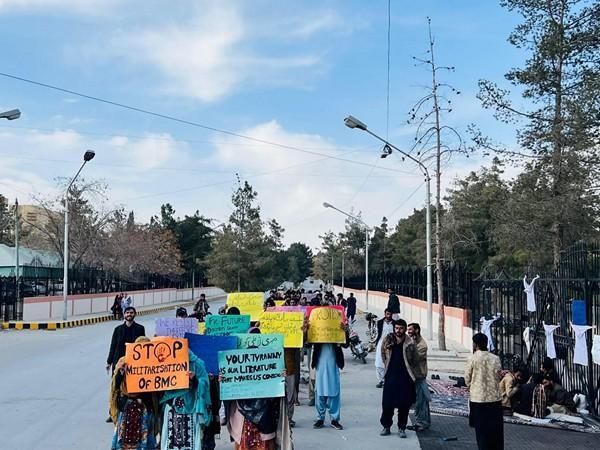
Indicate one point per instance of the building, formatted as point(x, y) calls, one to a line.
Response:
point(32, 217)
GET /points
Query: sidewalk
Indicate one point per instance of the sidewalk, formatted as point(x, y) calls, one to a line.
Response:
point(91, 319)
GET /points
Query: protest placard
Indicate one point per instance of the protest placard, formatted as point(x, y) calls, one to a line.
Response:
point(207, 348)
point(285, 308)
point(175, 326)
point(201, 327)
point(247, 302)
point(287, 323)
point(251, 373)
point(340, 308)
point(279, 302)
point(259, 340)
point(161, 364)
point(325, 326)
point(225, 325)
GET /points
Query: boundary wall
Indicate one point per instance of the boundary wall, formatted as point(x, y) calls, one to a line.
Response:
point(51, 307)
point(412, 310)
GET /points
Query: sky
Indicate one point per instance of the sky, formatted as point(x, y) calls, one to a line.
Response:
point(282, 72)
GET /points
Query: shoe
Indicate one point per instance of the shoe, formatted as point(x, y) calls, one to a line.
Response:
point(402, 434)
point(292, 423)
point(416, 427)
point(379, 385)
point(335, 424)
point(318, 424)
point(109, 420)
point(385, 432)
point(311, 403)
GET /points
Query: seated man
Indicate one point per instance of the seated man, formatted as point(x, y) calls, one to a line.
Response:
point(524, 403)
point(510, 386)
point(559, 400)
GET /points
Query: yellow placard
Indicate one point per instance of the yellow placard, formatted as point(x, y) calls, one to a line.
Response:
point(325, 326)
point(248, 303)
point(279, 302)
point(161, 364)
point(287, 323)
point(201, 327)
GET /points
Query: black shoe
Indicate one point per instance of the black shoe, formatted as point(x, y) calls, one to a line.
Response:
point(379, 385)
point(109, 420)
point(311, 403)
point(335, 424)
point(292, 423)
point(385, 432)
point(318, 424)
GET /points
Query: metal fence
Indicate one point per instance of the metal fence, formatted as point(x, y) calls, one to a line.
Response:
point(81, 281)
point(578, 277)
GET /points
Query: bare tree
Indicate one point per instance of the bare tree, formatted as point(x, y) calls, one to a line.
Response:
point(435, 143)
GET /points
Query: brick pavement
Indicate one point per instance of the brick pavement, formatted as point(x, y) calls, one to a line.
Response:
point(517, 437)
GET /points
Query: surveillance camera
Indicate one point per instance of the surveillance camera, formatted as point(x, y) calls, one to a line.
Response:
point(387, 150)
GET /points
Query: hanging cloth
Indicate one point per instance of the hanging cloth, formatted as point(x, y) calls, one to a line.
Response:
point(530, 293)
point(527, 339)
point(550, 349)
point(580, 355)
point(596, 349)
point(486, 328)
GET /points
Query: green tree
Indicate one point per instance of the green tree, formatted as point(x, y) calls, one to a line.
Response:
point(6, 222)
point(299, 262)
point(379, 248)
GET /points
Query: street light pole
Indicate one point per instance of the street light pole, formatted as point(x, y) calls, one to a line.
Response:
point(367, 230)
point(343, 273)
point(352, 122)
point(17, 286)
point(87, 156)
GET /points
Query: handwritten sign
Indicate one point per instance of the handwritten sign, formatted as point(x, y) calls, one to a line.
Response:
point(248, 303)
point(201, 327)
point(175, 327)
point(207, 348)
point(259, 340)
point(251, 373)
point(159, 365)
point(324, 326)
point(226, 325)
point(279, 302)
point(284, 308)
point(287, 323)
point(340, 308)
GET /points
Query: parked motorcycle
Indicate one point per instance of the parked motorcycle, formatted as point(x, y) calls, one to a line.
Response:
point(371, 330)
point(356, 347)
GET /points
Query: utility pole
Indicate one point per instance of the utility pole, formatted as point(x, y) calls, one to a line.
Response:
point(343, 254)
point(17, 287)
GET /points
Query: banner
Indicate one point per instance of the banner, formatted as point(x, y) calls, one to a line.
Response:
point(175, 327)
point(279, 302)
point(159, 365)
point(325, 326)
point(248, 303)
point(284, 308)
point(287, 323)
point(259, 340)
point(225, 325)
point(251, 373)
point(201, 327)
point(207, 348)
point(338, 307)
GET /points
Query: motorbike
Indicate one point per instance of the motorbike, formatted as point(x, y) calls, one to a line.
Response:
point(356, 347)
point(371, 330)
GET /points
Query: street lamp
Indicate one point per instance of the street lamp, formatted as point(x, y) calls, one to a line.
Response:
point(353, 122)
point(87, 156)
point(367, 230)
point(10, 115)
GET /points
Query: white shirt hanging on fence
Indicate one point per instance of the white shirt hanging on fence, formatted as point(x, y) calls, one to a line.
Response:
point(580, 355)
point(596, 349)
point(550, 349)
point(527, 339)
point(486, 328)
point(530, 293)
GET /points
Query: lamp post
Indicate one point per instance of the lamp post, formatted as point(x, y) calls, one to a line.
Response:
point(10, 115)
point(17, 287)
point(367, 230)
point(87, 156)
point(353, 122)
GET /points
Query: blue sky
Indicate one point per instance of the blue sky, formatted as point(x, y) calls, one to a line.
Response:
point(282, 71)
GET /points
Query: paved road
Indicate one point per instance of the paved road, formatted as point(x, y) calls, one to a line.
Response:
point(54, 393)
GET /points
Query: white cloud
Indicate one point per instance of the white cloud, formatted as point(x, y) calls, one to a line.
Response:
point(155, 150)
point(87, 7)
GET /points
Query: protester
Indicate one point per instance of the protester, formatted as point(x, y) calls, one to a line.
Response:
point(385, 326)
point(116, 308)
point(201, 308)
point(351, 308)
point(510, 387)
point(341, 300)
point(327, 360)
point(399, 356)
point(181, 312)
point(186, 411)
point(136, 416)
point(292, 369)
point(485, 408)
point(422, 413)
point(213, 427)
point(524, 404)
point(233, 311)
point(547, 368)
point(559, 400)
point(393, 304)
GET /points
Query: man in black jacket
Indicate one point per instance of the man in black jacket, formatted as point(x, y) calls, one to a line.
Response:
point(394, 304)
point(125, 333)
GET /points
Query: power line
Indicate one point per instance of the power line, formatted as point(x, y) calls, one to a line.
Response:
point(185, 122)
point(405, 200)
point(389, 45)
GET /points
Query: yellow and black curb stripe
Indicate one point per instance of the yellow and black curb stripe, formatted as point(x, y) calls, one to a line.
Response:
point(80, 322)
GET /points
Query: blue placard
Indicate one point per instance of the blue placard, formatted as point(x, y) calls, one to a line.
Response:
point(578, 310)
point(224, 325)
point(251, 373)
point(207, 348)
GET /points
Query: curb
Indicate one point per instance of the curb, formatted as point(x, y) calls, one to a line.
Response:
point(90, 320)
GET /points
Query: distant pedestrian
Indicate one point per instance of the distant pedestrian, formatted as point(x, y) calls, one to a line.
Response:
point(201, 308)
point(399, 356)
point(385, 326)
point(485, 408)
point(116, 307)
point(341, 300)
point(181, 313)
point(423, 397)
point(393, 304)
point(351, 308)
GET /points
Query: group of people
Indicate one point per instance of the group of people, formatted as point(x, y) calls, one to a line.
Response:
point(313, 298)
point(121, 302)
